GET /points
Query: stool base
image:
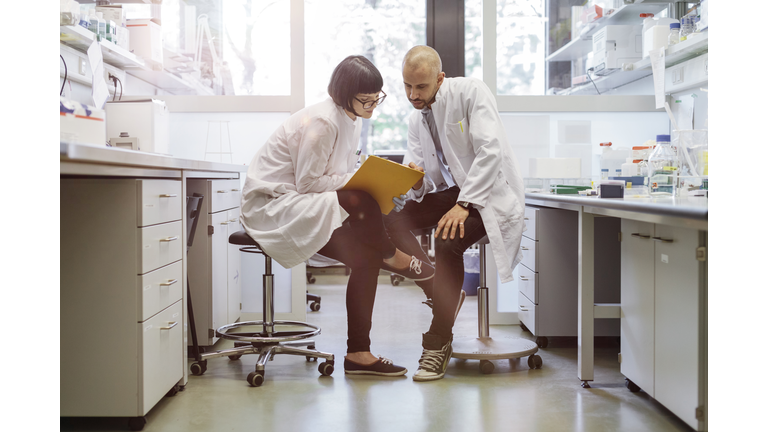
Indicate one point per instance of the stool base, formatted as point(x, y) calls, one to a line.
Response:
point(487, 349)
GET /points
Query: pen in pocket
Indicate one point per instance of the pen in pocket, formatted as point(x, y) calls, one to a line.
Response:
point(462, 127)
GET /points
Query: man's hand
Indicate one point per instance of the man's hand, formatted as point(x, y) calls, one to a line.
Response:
point(418, 184)
point(451, 221)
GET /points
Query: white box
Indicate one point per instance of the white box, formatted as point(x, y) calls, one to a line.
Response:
point(615, 45)
point(146, 120)
point(547, 168)
point(115, 13)
point(80, 123)
point(147, 40)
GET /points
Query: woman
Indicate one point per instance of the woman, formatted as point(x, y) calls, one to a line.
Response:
point(293, 207)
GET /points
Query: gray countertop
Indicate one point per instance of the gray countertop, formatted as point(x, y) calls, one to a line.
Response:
point(84, 153)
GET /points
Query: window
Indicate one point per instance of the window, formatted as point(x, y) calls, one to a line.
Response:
point(473, 38)
point(520, 49)
point(381, 30)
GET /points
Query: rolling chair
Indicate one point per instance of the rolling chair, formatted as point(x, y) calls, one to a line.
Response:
point(485, 348)
point(268, 342)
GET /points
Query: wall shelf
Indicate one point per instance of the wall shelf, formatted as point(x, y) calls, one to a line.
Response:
point(81, 39)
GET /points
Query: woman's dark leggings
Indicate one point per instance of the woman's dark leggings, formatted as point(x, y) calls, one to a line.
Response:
point(361, 243)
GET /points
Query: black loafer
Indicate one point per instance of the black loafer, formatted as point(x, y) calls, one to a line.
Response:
point(382, 367)
point(417, 270)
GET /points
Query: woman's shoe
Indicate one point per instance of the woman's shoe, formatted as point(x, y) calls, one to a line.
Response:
point(417, 270)
point(383, 367)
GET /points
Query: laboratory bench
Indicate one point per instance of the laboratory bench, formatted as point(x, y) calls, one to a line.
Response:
point(662, 309)
point(124, 269)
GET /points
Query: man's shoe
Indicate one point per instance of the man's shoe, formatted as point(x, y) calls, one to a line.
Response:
point(382, 367)
point(433, 362)
point(417, 270)
point(463, 295)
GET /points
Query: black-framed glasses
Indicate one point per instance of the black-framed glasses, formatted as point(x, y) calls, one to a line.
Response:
point(369, 104)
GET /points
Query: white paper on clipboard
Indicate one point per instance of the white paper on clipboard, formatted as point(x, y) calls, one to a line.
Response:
point(100, 90)
point(658, 67)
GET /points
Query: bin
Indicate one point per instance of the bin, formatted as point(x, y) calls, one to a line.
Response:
point(471, 271)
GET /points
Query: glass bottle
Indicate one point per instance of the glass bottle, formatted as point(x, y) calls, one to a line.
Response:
point(662, 168)
point(674, 34)
point(686, 27)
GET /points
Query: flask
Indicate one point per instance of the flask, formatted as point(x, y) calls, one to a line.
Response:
point(662, 168)
point(674, 34)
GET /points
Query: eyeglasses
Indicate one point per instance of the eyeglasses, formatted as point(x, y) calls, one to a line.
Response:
point(370, 104)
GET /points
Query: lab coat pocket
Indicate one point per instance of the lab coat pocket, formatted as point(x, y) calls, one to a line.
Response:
point(458, 137)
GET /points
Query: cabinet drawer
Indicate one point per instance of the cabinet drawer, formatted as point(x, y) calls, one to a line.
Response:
point(528, 283)
point(159, 289)
point(531, 216)
point(526, 312)
point(159, 201)
point(160, 245)
point(530, 257)
point(161, 355)
point(225, 194)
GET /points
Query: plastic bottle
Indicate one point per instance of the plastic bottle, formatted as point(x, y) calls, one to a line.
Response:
point(662, 168)
point(629, 168)
point(674, 34)
point(686, 28)
point(102, 25)
point(93, 22)
point(656, 33)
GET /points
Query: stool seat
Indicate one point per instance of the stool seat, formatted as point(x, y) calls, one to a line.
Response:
point(241, 238)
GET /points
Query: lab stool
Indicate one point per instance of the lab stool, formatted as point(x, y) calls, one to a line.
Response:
point(485, 348)
point(268, 342)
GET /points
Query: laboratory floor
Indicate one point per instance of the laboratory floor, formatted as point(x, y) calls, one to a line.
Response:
point(295, 397)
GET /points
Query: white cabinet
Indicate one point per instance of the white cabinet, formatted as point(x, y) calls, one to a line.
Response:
point(214, 264)
point(121, 290)
point(663, 319)
point(548, 273)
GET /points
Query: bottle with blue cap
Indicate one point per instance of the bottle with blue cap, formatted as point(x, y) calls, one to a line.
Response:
point(674, 34)
point(662, 168)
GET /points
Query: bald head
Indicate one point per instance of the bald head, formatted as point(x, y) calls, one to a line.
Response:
point(422, 56)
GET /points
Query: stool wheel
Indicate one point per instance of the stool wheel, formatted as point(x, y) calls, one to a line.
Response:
point(325, 368)
point(199, 368)
point(486, 366)
point(542, 341)
point(256, 379)
point(311, 359)
point(314, 306)
point(235, 357)
point(534, 362)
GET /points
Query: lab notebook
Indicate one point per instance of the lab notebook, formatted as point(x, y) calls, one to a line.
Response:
point(383, 180)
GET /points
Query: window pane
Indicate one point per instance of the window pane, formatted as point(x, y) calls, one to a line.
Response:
point(520, 47)
point(473, 38)
point(381, 30)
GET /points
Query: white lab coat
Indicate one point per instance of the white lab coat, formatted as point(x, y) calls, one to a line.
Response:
point(480, 159)
point(289, 205)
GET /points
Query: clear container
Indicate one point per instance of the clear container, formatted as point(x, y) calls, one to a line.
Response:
point(686, 27)
point(674, 34)
point(662, 168)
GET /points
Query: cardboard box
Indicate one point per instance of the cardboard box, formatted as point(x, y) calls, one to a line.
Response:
point(146, 40)
point(81, 124)
point(147, 120)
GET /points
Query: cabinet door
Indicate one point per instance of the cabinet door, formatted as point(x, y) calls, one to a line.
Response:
point(677, 320)
point(234, 297)
point(219, 247)
point(637, 303)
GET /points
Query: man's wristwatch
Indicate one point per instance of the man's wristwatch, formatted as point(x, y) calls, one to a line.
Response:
point(465, 204)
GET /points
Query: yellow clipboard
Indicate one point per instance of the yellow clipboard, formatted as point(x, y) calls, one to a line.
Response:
point(383, 180)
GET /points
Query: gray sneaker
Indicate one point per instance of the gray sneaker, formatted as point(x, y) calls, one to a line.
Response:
point(433, 362)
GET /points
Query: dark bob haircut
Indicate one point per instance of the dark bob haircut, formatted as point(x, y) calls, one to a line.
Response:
point(354, 75)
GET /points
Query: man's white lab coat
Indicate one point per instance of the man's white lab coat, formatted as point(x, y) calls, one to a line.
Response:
point(482, 164)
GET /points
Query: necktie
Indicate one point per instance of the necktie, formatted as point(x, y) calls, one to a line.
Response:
point(430, 119)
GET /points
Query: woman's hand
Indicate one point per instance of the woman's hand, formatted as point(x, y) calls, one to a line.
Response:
point(399, 202)
point(452, 220)
point(420, 183)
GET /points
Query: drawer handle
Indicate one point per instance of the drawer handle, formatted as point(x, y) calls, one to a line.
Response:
point(169, 239)
point(524, 248)
point(169, 283)
point(525, 218)
point(523, 278)
point(523, 308)
point(168, 195)
point(235, 190)
point(169, 326)
point(643, 236)
point(221, 191)
point(663, 240)
point(233, 220)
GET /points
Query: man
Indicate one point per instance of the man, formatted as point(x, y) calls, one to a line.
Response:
point(472, 188)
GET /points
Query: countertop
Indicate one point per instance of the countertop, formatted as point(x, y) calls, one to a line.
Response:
point(92, 154)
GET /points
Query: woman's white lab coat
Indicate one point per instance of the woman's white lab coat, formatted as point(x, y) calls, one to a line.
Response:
point(289, 205)
point(482, 164)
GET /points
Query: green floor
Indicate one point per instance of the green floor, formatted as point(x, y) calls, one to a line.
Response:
point(295, 397)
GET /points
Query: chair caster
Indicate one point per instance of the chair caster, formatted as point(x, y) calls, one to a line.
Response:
point(255, 379)
point(534, 361)
point(137, 423)
point(325, 368)
point(542, 341)
point(486, 367)
point(173, 391)
point(314, 306)
point(199, 368)
point(235, 357)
